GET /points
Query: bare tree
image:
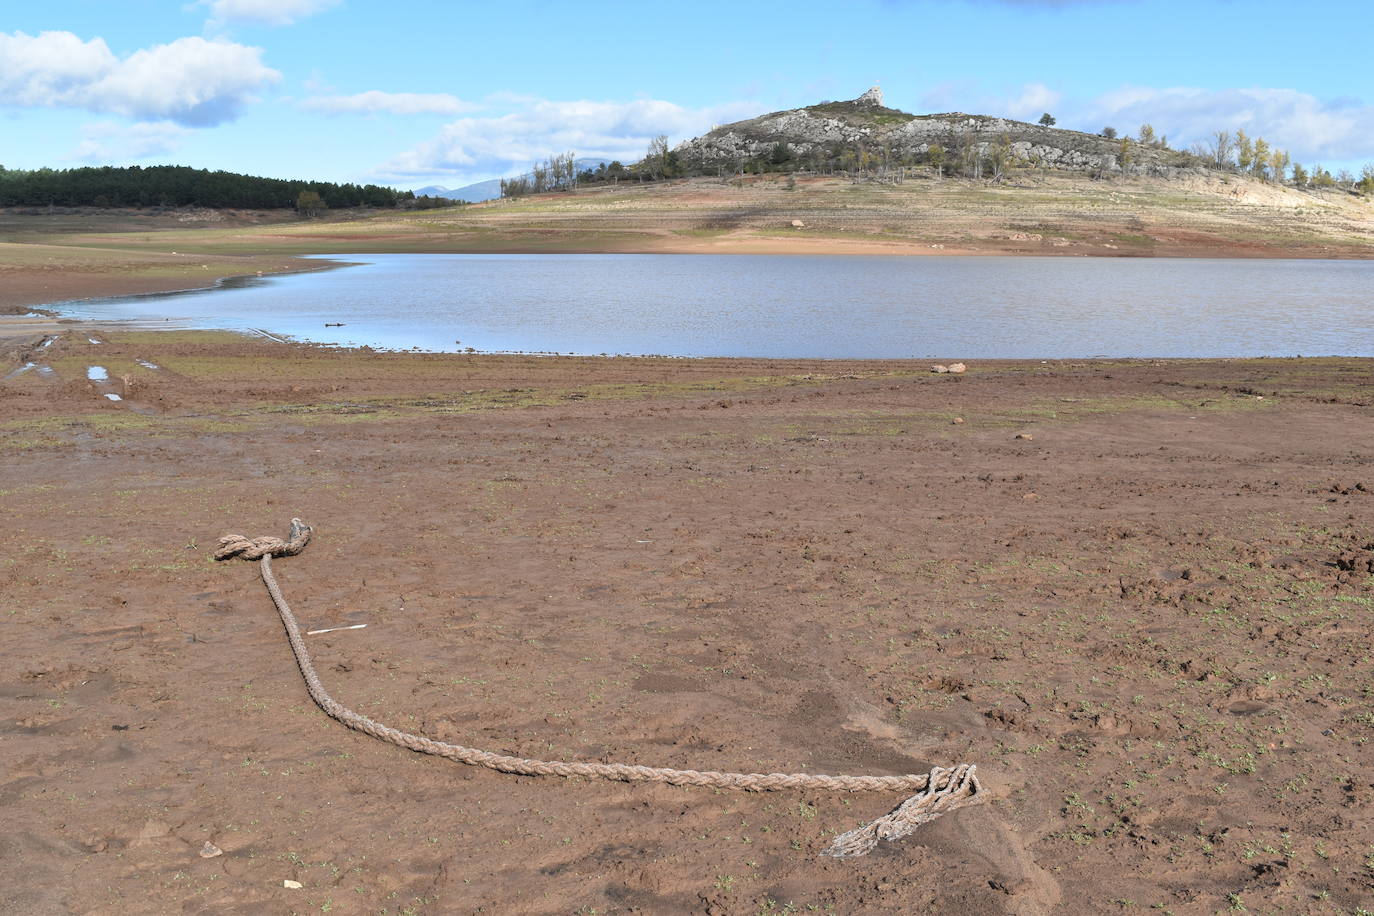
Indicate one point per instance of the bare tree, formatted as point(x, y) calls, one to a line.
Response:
point(1221, 148)
point(999, 157)
point(656, 158)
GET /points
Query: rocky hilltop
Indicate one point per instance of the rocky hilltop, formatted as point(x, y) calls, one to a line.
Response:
point(864, 132)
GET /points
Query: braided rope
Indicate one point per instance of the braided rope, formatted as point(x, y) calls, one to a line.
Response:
point(939, 791)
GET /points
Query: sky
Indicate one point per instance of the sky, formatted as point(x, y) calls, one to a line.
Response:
point(410, 93)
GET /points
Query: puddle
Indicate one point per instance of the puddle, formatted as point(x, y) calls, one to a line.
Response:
point(97, 374)
point(18, 372)
point(112, 396)
point(46, 371)
point(147, 365)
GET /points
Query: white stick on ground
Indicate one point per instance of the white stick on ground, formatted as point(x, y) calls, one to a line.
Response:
point(356, 626)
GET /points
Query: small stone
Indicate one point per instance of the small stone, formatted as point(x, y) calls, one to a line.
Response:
point(957, 367)
point(210, 850)
point(956, 421)
point(939, 368)
point(1026, 436)
point(292, 885)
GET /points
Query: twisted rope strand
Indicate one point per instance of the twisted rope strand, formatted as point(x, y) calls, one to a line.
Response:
point(937, 792)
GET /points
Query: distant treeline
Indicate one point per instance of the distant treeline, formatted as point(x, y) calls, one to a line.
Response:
point(180, 186)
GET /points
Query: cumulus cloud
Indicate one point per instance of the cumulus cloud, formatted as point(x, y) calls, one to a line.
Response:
point(1025, 103)
point(107, 142)
point(191, 81)
point(264, 12)
point(1034, 100)
point(1306, 126)
point(375, 102)
point(477, 148)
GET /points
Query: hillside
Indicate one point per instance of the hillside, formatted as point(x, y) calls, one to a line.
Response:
point(864, 133)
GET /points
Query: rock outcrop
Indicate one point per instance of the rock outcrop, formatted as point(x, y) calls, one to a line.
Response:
point(822, 133)
point(872, 97)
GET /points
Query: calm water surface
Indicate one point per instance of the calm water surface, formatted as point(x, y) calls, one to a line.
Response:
point(798, 306)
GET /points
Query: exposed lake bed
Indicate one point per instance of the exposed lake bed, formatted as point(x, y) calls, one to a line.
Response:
point(1125, 581)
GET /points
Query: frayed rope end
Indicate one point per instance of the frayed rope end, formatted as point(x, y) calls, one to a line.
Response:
point(947, 790)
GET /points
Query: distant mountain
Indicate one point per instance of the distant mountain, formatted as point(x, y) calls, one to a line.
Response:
point(472, 193)
point(489, 189)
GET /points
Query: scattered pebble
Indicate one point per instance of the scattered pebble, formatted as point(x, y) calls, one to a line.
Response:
point(210, 850)
point(293, 885)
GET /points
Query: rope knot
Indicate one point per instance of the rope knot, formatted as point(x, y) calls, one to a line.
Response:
point(236, 545)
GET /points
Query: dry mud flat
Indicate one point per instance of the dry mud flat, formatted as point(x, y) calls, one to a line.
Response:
point(1148, 624)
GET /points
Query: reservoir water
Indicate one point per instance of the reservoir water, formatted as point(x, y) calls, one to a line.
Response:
point(795, 306)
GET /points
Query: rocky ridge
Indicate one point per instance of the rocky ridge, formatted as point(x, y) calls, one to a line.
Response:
point(822, 132)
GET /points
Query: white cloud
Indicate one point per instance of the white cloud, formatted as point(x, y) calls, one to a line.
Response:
point(1034, 100)
point(106, 142)
point(375, 102)
point(264, 12)
point(191, 81)
point(1026, 103)
point(472, 149)
point(1302, 124)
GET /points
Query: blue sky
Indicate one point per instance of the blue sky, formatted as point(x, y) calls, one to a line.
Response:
point(410, 92)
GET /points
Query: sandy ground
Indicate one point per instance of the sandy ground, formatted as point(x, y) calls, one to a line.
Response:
point(1136, 594)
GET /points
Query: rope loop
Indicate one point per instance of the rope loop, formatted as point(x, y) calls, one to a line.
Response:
point(236, 545)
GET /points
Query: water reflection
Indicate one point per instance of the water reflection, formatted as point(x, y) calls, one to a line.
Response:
point(796, 306)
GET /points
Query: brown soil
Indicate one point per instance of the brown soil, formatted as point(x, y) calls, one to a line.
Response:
point(1147, 621)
